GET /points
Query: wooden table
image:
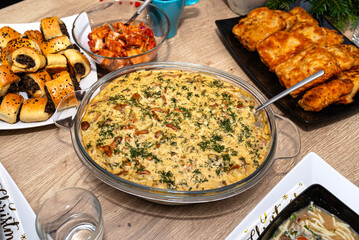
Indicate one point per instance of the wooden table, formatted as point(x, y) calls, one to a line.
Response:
point(42, 160)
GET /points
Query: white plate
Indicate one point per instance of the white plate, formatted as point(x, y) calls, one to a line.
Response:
point(14, 205)
point(311, 170)
point(84, 83)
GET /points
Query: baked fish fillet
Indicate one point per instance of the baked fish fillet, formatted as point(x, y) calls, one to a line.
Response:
point(257, 26)
point(320, 35)
point(280, 46)
point(325, 94)
point(343, 55)
point(353, 75)
point(303, 16)
point(355, 52)
point(304, 64)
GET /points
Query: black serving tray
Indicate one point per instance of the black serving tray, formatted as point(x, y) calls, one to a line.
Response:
point(268, 82)
point(321, 197)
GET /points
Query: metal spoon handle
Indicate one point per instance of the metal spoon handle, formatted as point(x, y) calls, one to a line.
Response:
point(292, 88)
point(144, 5)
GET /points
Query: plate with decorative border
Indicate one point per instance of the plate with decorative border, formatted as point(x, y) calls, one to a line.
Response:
point(296, 181)
point(84, 83)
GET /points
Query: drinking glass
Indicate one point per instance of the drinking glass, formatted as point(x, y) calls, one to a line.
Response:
point(69, 214)
point(356, 33)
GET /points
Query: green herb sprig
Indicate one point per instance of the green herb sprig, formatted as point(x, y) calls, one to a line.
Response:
point(340, 13)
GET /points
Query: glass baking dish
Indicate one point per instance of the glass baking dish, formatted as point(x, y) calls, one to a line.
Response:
point(284, 142)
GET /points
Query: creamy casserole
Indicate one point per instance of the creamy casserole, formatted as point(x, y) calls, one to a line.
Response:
point(174, 130)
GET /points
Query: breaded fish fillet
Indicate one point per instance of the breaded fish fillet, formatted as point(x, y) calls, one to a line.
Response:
point(280, 46)
point(325, 94)
point(310, 31)
point(257, 26)
point(355, 52)
point(304, 64)
point(303, 16)
point(332, 37)
point(344, 57)
point(289, 18)
point(353, 75)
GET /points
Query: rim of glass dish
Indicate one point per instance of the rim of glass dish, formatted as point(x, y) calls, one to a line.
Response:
point(119, 58)
point(147, 191)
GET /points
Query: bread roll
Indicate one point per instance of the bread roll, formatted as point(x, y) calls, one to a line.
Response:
point(17, 43)
point(8, 80)
point(56, 63)
point(35, 110)
point(10, 107)
point(59, 87)
point(56, 45)
point(7, 34)
point(34, 83)
point(52, 27)
point(79, 63)
point(27, 60)
point(35, 35)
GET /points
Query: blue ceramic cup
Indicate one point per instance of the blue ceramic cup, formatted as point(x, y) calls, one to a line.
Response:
point(173, 10)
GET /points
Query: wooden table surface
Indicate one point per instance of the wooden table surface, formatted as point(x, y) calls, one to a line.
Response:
point(42, 160)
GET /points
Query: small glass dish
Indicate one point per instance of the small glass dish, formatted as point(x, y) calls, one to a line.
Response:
point(105, 12)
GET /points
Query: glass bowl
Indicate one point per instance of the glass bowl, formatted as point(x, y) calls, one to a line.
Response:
point(115, 11)
point(284, 142)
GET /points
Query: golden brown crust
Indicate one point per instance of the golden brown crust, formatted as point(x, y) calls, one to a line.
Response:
point(320, 35)
point(79, 63)
point(40, 78)
point(10, 107)
point(59, 74)
point(50, 27)
point(304, 64)
point(289, 18)
point(59, 87)
point(257, 26)
point(3, 58)
point(56, 63)
point(280, 46)
point(35, 35)
point(303, 16)
point(56, 45)
point(19, 43)
point(332, 37)
point(325, 94)
point(33, 62)
point(353, 75)
point(310, 31)
point(342, 55)
point(33, 110)
point(355, 52)
point(7, 77)
point(7, 34)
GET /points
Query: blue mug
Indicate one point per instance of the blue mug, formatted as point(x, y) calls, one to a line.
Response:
point(173, 10)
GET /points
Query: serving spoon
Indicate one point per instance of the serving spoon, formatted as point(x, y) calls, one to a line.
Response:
point(291, 89)
point(144, 5)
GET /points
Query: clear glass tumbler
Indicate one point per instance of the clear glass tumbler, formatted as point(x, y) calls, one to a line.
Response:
point(356, 33)
point(69, 214)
